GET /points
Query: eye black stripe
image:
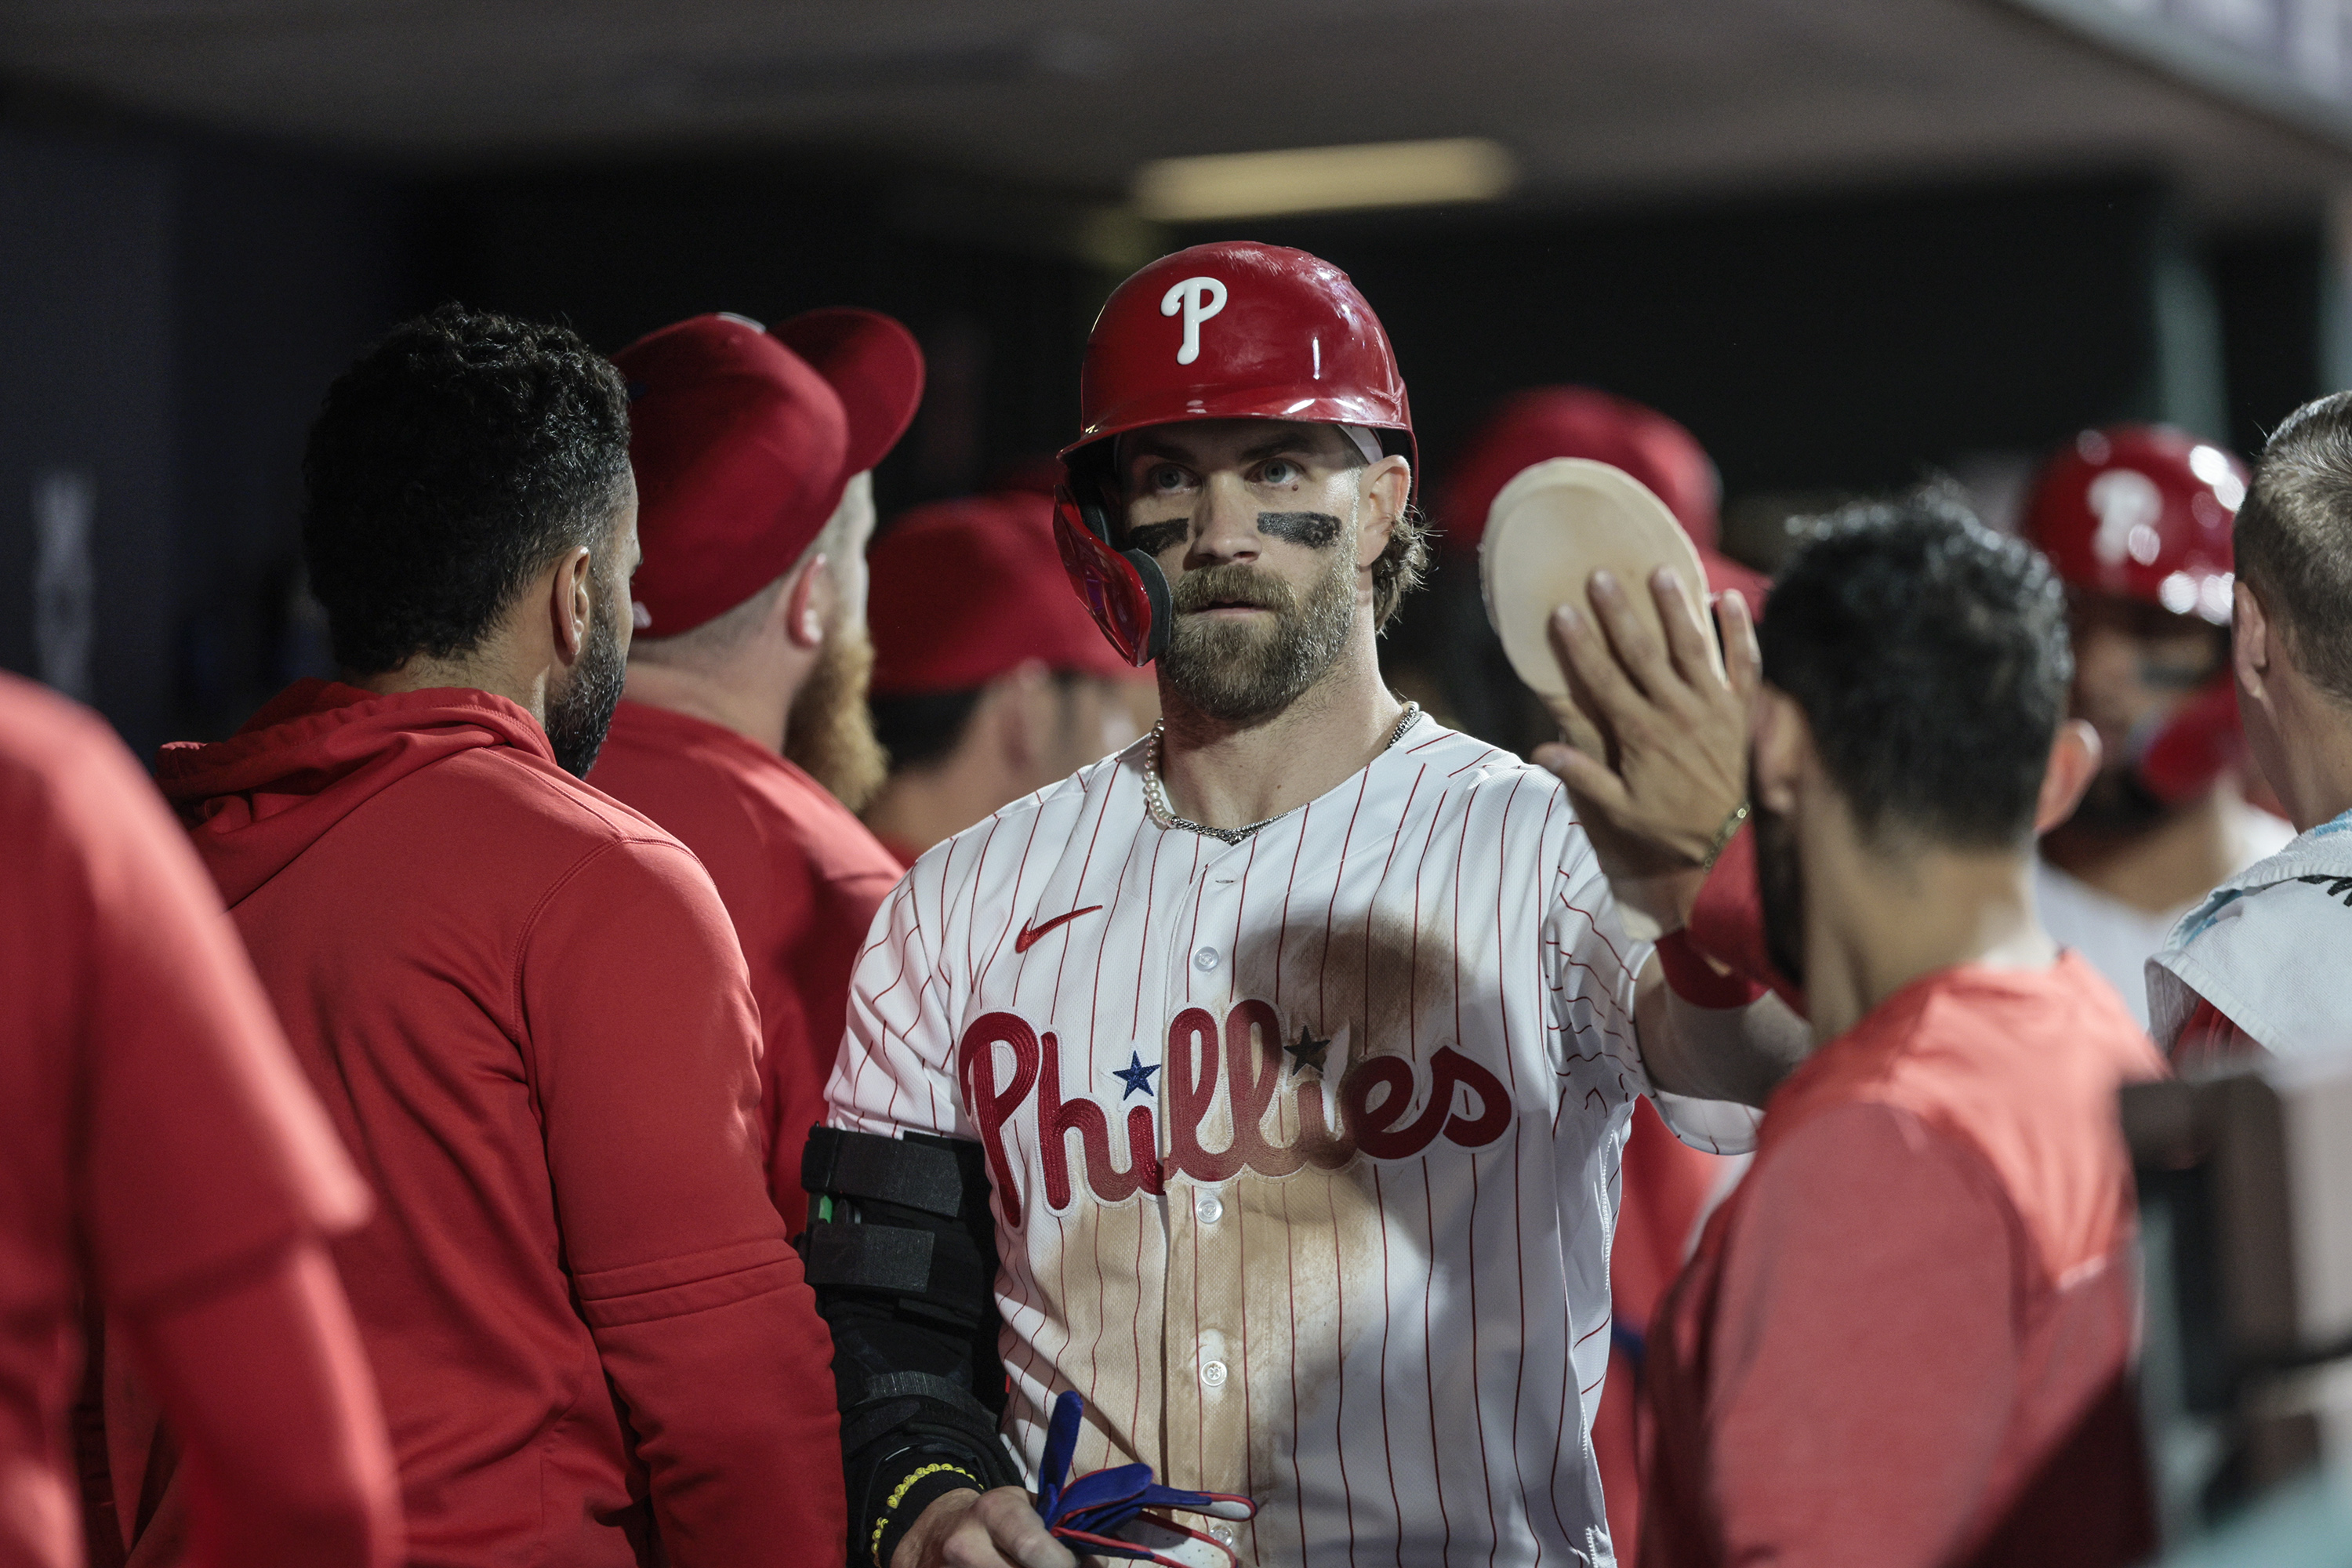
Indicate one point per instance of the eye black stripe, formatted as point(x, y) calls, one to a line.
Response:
point(1316, 529)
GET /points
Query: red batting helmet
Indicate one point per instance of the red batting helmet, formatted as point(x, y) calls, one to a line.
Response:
point(1230, 331)
point(2141, 511)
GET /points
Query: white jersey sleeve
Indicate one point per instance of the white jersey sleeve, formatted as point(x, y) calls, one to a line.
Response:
point(896, 1069)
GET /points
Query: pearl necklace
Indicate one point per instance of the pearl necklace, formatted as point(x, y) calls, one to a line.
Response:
point(1155, 795)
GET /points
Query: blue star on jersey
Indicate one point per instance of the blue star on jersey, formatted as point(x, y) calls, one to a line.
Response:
point(1136, 1075)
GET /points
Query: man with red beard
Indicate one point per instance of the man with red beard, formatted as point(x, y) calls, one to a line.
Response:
point(520, 1001)
point(1284, 1058)
point(743, 728)
point(1906, 1340)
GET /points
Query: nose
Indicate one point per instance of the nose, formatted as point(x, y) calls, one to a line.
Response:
point(1227, 525)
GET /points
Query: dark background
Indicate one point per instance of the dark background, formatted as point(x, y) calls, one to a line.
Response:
point(175, 302)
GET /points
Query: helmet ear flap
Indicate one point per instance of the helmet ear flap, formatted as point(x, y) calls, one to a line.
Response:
point(1155, 589)
point(1125, 591)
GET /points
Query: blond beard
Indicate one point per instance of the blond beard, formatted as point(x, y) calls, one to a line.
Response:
point(830, 733)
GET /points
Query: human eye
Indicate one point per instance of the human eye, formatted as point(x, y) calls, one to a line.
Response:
point(1278, 471)
point(1165, 479)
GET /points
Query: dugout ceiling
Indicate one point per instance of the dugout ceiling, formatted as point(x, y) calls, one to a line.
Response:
point(1597, 99)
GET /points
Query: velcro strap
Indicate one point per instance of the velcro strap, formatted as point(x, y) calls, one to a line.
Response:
point(870, 1167)
point(870, 1257)
point(924, 1385)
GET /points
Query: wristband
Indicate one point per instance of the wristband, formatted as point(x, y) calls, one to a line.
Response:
point(1727, 922)
point(1697, 982)
point(916, 1492)
point(1723, 835)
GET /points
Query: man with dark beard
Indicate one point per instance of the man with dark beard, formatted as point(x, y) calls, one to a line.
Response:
point(1906, 1338)
point(745, 730)
point(2137, 522)
point(1265, 1081)
point(520, 1001)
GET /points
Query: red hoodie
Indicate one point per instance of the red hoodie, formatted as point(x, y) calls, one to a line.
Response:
point(802, 879)
point(528, 1019)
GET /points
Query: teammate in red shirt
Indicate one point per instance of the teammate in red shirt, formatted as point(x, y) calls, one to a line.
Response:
point(990, 679)
point(520, 1001)
point(159, 1152)
point(1907, 1336)
point(753, 452)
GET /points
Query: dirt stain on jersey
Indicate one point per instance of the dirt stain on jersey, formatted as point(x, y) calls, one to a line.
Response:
point(1309, 1259)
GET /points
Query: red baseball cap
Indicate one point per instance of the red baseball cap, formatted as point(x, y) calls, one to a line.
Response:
point(743, 439)
point(965, 590)
point(1547, 422)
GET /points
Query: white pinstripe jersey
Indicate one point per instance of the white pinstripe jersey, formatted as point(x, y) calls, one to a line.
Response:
point(1304, 1149)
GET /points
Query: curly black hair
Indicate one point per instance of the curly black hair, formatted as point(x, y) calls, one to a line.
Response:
point(1930, 656)
point(447, 466)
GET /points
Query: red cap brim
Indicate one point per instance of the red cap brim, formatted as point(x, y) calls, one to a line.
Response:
point(873, 364)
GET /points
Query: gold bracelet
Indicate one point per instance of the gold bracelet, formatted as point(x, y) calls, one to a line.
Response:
point(1723, 836)
point(882, 1521)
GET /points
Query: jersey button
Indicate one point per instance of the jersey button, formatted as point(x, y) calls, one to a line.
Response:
point(1224, 1532)
point(1213, 1373)
point(1206, 959)
point(1210, 1209)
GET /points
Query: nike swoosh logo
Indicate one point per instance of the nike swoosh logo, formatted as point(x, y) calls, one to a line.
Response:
point(1029, 934)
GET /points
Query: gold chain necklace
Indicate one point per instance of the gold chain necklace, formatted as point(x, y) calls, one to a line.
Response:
point(1155, 796)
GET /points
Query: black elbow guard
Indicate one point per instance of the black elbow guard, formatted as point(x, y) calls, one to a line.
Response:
point(901, 1250)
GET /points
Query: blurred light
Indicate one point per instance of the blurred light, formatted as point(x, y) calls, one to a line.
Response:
point(2215, 601)
point(2212, 465)
point(2178, 592)
point(1324, 179)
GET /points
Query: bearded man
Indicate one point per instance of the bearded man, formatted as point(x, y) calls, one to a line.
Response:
point(744, 729)
point(1906, 1340)
point(1267, 1081)
point(521, 1001)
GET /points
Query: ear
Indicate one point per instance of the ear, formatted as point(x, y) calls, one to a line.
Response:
point(807, 602)
point(2074, 763)
point(2250, 644)
point(1386, 486)
point(571, 603)
point(1783, 745)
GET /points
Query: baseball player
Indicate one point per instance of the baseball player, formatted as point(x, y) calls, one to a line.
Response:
point(754, 450)
point(1264, 1082)
point(990, 679)
point(2257, 965)
point(2136, 519)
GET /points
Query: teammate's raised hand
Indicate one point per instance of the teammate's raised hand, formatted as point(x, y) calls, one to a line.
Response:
point(1663, 768)
point(998, 1528)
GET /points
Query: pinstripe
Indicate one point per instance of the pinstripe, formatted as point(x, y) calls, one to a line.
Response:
point(1401, 1271)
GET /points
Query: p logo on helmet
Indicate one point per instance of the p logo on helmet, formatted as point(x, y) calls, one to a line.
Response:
point(1302, 346)
point(1198, 299)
